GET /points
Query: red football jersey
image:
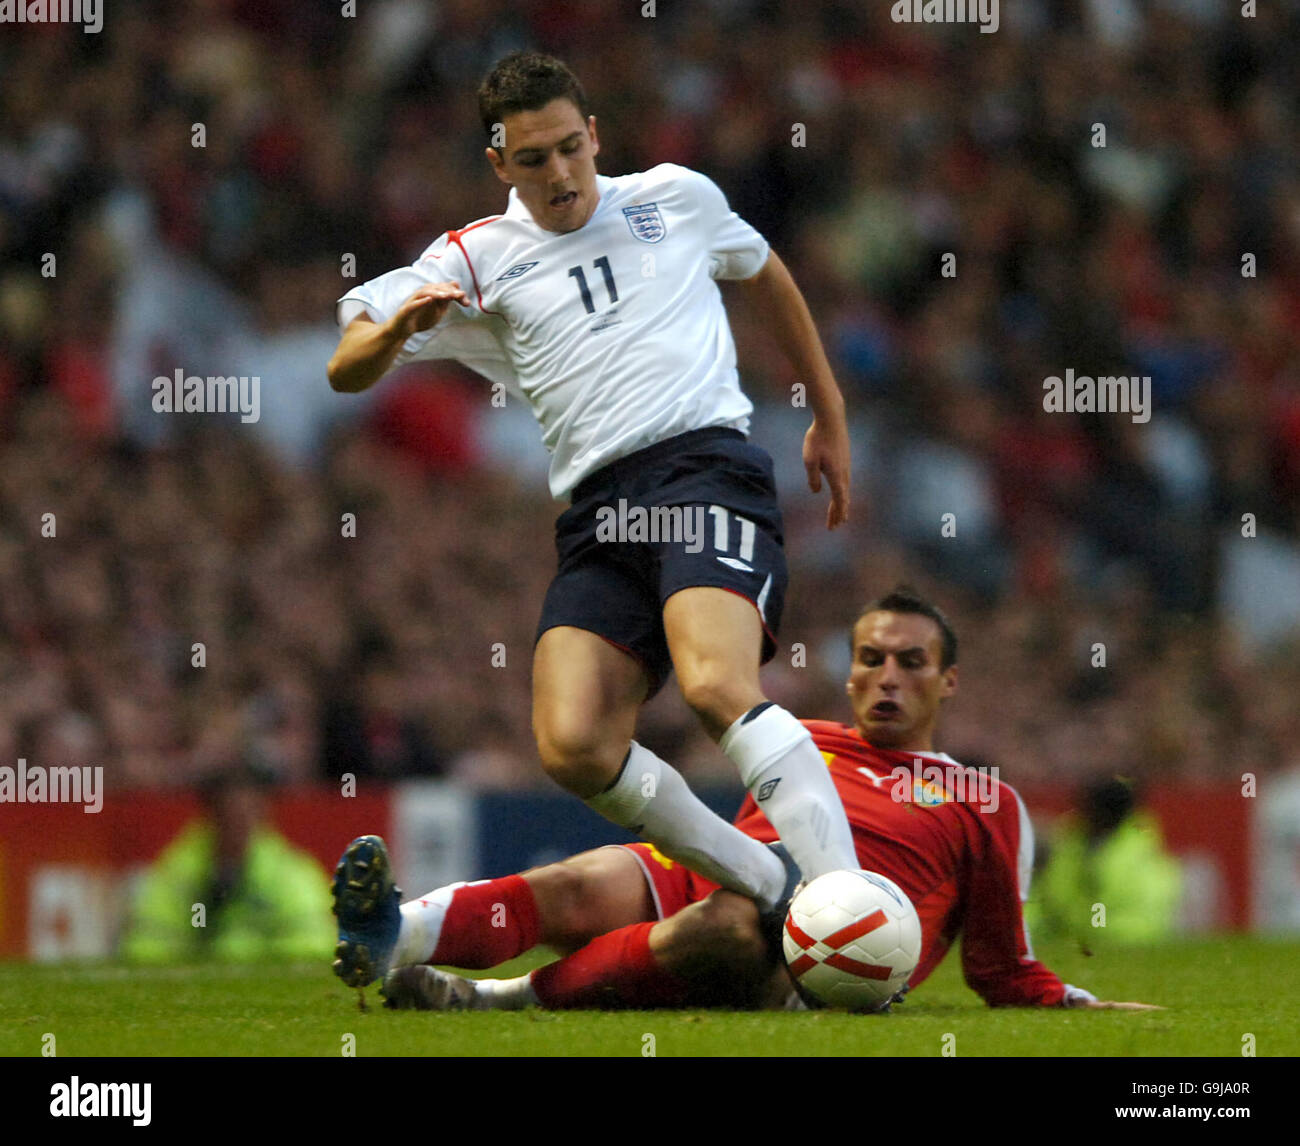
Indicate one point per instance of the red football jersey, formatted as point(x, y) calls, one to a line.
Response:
point(957, 841)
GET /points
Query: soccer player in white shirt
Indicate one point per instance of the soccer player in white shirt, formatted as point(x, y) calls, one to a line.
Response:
point(595, 299)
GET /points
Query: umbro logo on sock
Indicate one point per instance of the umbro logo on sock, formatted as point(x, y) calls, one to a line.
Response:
point(767, 788)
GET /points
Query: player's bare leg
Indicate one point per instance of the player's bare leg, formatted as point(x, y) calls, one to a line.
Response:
point(562, 905)
point(716, 641)
point(711, 953)
point(586, 694)
point(588, 895)
point(565, 905)
point(715, 637)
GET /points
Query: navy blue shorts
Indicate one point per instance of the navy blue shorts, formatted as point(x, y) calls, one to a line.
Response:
point(697, 509)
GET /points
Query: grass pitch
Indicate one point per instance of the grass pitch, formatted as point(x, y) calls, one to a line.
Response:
point(1217, 991)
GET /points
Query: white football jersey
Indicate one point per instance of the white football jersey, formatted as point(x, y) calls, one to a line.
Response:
point(615, 333)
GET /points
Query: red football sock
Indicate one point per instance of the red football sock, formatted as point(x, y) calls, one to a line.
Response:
point(488, 923)
point(613, 970)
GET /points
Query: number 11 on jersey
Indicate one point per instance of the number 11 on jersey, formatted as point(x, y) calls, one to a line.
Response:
point(580, 275)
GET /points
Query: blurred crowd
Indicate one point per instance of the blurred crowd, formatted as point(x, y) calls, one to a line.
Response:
point(351, 584)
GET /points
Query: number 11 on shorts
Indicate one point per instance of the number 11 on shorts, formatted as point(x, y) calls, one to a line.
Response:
point(722, 532)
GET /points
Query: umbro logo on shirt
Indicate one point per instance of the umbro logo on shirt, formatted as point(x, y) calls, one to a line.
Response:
point(767, 788)
point(517, 270)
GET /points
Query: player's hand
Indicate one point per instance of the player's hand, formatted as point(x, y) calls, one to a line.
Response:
point(1099, 1005)
point(826, 451)
point(425, 308)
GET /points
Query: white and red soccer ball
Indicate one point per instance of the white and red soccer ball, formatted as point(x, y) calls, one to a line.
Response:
point(852, 939)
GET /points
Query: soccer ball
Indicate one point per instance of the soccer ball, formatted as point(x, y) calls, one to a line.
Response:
point(852, 939)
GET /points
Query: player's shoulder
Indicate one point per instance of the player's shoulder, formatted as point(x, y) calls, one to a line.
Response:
point(476, 225)
point(478, 231)
point(477, 247)
point(665, 179)
point(985, 789)
point(660, 173)
point(992, 777)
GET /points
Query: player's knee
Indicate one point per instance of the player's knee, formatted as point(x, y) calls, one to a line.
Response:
point(733, 921)
point(721, 932)
point(576, 755)
point(716, 695)
point(563, 893)
point(717, 947)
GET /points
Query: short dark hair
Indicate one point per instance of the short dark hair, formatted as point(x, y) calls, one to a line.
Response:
point(905, 599)
point(526, 81)
point(1106, 802)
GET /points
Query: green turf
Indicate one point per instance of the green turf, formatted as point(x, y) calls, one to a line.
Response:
point(1215, 990)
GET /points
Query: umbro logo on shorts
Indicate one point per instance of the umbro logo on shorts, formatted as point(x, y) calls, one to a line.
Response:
point(737, 563)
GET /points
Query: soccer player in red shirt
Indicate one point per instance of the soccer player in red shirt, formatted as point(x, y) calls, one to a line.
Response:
point(640, 930)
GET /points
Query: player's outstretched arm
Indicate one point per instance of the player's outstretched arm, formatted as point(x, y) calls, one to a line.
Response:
point(775, 295)
point(1100, 1005)
point(367, 348)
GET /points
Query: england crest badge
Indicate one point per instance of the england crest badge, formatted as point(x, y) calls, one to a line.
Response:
point(646, 222)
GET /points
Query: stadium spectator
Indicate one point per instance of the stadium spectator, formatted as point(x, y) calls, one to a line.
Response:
point(229, 887)
point(1107, 877)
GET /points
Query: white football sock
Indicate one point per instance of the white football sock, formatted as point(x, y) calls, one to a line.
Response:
point(421, 928)
point(789, 780)
point(651, 799)
point(504, 994)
